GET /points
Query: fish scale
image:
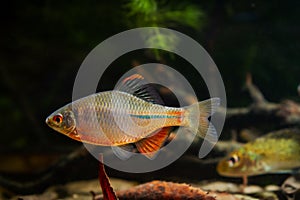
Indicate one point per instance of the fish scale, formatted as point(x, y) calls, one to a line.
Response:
point(110, 110)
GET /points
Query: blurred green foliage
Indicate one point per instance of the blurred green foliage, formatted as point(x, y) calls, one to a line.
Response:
point(154, 13)
point(164, 14)
point(44, 42)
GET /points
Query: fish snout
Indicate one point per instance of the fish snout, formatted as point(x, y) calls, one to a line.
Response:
point(47, 120)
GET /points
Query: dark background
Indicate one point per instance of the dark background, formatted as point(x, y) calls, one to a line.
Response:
point(43, 44)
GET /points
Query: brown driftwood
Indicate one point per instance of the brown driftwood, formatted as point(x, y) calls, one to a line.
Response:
point(262, 112)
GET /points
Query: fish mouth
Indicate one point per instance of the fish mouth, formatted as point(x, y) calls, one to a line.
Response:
point(48, 122)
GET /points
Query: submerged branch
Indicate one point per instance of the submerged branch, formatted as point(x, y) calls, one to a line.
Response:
point(263, 112)
point(254, 92)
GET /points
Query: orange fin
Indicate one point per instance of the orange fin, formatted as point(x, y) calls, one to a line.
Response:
point(150, 145)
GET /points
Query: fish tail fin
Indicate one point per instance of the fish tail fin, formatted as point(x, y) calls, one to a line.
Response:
point(197, 118)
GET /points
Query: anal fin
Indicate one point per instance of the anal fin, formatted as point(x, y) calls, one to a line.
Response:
point(150, 145)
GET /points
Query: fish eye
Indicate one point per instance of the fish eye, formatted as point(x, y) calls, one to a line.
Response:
point(58, 118)
point(233, 160)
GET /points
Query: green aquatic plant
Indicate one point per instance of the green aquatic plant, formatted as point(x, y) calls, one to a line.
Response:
point(146, 7)
point(152, 13)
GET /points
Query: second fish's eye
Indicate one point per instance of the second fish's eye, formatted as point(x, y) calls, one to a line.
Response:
point(58, 118)
point(233, 160)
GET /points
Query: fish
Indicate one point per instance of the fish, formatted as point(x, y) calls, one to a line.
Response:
point(131, 114)
point(275, 152)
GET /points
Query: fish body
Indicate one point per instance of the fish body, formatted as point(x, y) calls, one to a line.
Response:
point(117, 117)
point(276, 152)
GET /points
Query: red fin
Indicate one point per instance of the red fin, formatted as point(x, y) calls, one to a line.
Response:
point(107, 190)
point(150, 145)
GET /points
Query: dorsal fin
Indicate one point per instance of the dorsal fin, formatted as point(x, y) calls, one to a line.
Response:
point(150, 145)
point(137, 86)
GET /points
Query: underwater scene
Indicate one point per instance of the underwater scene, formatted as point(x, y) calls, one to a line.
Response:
point(150, 99)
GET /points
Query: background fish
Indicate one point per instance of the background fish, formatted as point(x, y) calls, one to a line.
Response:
point(273, 153)
point(131, 114)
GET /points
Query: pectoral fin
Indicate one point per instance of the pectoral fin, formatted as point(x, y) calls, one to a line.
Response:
point(149, 146)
